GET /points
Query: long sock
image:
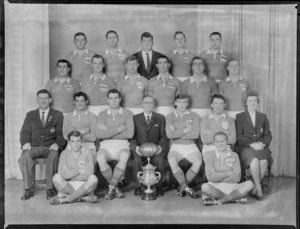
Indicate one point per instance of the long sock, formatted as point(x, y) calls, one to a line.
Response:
point(214, 192)
point(118, 172)
point(180, 178)
point(235, 194)
point(107, 173)
point(68, 189)
point(190, 175)
point(81, 191)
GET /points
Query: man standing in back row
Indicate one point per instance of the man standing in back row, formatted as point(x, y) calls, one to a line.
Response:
point(215, 58)
point(147, 57)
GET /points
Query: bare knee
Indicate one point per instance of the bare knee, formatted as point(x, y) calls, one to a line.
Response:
point(93, 179)
point(53, 154)
point(205, 188)
point(254, 162)
point(124, 155)
point(249, 185)
point(57, 178)
point(101, 157)
point(196, 165)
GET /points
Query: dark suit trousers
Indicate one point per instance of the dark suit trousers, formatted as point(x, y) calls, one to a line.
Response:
point(138, 163)
point(27, 164)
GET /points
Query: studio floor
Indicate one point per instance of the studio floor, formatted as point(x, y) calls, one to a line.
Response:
point(278, 208)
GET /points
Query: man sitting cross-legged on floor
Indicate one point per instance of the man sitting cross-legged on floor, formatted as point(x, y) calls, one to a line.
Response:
point(75, 180)
point(223, 171)
point(115, 126)
point(182, 127)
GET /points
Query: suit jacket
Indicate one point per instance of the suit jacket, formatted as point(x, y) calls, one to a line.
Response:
point(248, 134)
point(155, 134)
point(34, 133)
point(142, 68)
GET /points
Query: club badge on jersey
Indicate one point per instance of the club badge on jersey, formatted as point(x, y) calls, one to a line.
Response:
point(103, 87)
point(230, 161)
point(171, 85)
point(69, 87)
point(121, 56)
point(52, 130)
point(139, 85)
point(243, 87)
point(223, 58)
point(225, 125)
point(88, 60)
point(186, 59)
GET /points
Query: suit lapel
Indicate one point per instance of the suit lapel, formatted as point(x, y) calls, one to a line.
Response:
point(258, 119)
point(142, 120)
point(248, 118)
point(153, 60)
point(140, 55)
point(37, 117)
point(49, 118)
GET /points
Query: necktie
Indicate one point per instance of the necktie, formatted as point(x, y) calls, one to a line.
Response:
point(148, 62)
point(148, 121)
point(43, 118)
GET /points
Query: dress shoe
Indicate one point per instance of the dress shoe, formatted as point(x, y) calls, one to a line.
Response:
point(138, 191)
point(159, 192)
point(241, 200)
point(50, 193)
point(181, 192)
point(89, 199)
point(27, 194)
point(254, 196)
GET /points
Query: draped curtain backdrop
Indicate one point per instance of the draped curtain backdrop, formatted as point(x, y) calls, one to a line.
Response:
point(262, 37)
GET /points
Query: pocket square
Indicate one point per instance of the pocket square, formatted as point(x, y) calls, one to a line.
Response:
point(156, 125)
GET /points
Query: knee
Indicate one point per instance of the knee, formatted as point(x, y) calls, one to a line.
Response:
point(264, 162)
point(24, 156)
point(205, 187)
point(172, 159)
point(101, 158)
point(57, 178)
point(196, 165)
point(93, 179)
point(249, 184)
point(255, 161)
point(124, 155)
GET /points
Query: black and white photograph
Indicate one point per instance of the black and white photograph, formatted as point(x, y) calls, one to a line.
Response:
point(150, 114)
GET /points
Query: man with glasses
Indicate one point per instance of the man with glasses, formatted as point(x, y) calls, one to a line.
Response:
point(149, 127)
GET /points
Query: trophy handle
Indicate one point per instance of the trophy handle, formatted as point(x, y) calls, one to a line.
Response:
point(158, 176)
point(139, 176)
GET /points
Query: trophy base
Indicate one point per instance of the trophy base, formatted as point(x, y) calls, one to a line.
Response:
point(148, 196)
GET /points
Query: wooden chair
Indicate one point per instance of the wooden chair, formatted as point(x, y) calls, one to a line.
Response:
point(40, 184)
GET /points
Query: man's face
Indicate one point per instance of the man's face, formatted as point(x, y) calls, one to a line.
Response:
point(75, 143)
point(62, 69)
point(215, 41)
point(43, 101)
point(147, 44)
point(221, 143)
point(80, 42)
point(181, 104)
point(114, 100)
point(251, 102)
point(180, 40)
point(218, 106)
point(132, 66)
point(148, 104)
point(198, 66)
point(163, 65)
point(233, 68)
point(80, 103)
point(112, 40)
point(97, 65)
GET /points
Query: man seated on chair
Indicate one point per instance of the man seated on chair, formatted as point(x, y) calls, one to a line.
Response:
point(83, 121)
point(215, 122)
point(115, 126)
point(75, 179)
point(149, 127)
point(182, 127)
point(223, 171)
point(41, 137)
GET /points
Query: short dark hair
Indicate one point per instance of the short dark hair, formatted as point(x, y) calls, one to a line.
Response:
point(111, 31)
point(74, 133)
point(132, 58)
point(43, 91)
point(162, 57)
point(147, 35)
point(217, 96)
point(80, 93)
point(182, 96)
point(63, 61)
point(98, 56)
point(114, 91)
point(221, 133)
point(179, 32)
point(80, 34)
point(250, 93)
point(197, 58)
point(215, 33)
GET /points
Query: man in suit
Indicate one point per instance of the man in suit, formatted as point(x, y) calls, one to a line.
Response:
point(41, 137)
point(149, 127)
point(147, 57)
